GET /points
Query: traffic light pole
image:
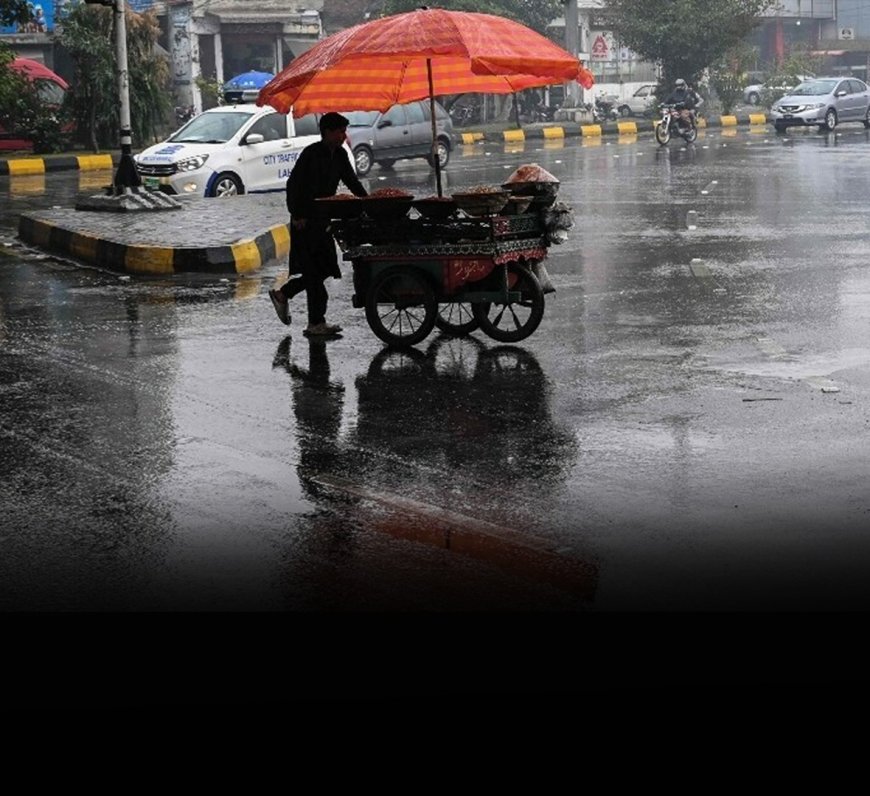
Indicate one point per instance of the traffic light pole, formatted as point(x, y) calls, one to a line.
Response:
point(126, 176)
point(126, 192)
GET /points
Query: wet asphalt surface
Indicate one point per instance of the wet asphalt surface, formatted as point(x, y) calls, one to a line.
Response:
point(687, 429)
point(684, 432)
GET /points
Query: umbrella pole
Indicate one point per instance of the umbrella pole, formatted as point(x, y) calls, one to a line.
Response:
point(435, 159)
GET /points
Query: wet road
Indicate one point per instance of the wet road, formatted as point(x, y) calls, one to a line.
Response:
point(686, 430)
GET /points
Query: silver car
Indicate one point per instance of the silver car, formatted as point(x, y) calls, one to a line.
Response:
point(825, 102)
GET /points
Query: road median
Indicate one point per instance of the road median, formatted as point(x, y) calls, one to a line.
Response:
point(14, 166)
point(205, 236)
point(584, 130)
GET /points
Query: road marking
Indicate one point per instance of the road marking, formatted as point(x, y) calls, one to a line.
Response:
point(775, 351)
point(709, 187)
point(699, 270)
point(824, 384)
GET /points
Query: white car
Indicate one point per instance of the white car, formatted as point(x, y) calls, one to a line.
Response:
point(228, 150)
point(640, 103)
point(755, 93)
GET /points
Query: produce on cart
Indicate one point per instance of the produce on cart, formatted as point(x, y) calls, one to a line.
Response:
point(461, 263)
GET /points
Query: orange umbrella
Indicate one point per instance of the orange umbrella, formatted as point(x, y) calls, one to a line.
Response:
point(419, 54)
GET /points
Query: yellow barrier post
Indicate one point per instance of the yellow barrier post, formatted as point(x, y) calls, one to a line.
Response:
point(554, 132)
point(27, 166)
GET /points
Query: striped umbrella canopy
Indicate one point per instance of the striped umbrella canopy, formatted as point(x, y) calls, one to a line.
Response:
point(419, 54)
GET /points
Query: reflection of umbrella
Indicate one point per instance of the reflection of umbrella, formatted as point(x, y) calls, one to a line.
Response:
point(419, 54)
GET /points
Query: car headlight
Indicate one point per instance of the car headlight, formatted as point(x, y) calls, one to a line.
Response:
point(192, 164)
point(816, 106)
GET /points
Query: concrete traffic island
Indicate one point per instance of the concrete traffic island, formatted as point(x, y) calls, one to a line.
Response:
point(229, 235)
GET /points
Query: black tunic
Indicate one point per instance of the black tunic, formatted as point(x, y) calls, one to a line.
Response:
point(317, 172)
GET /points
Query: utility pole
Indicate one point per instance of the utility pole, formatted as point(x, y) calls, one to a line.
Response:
point(125, 192)
point(126, 176)
point(572, 45)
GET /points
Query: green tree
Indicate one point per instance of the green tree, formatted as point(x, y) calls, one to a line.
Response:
point(728, 75)
point(536, 14)
point(798, 62)
point(12, 11)
point(684, 36)
point(88, 37)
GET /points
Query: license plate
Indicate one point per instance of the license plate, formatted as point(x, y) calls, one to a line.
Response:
point(786, 116)
point(152, 183)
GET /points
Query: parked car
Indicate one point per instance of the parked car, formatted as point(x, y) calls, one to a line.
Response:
point(51, 88)
point(404, 131)
point(228, 150)
point(823, 101)
point(755, 93)
point(640, 103)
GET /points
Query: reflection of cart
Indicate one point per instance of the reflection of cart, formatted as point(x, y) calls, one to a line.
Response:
point(459, 274)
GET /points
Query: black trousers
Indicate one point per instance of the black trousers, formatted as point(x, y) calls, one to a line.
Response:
point(316, 295)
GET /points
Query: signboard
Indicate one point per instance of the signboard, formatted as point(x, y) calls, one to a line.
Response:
point(600, 48)
point(47, 13)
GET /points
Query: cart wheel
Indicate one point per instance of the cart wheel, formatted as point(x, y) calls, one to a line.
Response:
point(456, 318)
point(509, 323)
point(400, 306)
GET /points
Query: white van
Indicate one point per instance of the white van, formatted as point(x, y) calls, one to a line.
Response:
point(228, 150)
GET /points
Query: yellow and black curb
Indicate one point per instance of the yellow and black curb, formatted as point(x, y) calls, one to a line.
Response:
point(596, 130)
point(27, 166)
point(237, 258)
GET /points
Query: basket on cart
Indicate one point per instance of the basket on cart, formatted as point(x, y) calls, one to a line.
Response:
point(534, 181)
point(436, 207)
point(477, 203)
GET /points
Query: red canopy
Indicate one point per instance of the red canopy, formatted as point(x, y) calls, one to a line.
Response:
point(382, 62)
point(34, 70)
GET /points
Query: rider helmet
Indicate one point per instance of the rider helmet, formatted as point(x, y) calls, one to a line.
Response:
point(680, 83)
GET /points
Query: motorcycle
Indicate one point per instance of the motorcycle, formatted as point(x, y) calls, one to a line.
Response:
point(604, 110)
point(463, 114)
point(672, 123)
point(183, 114)
point(544, 113)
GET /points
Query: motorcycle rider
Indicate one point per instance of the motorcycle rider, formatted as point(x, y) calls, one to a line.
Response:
point(685, 99)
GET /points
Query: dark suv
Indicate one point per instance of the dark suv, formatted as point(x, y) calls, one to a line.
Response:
point(404, 131)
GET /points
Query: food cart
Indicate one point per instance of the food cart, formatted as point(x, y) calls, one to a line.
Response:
point(470, 261)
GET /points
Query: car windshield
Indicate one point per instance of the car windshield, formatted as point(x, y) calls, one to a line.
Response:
point(211, 128)
point(814, 88)
point(361, 118)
